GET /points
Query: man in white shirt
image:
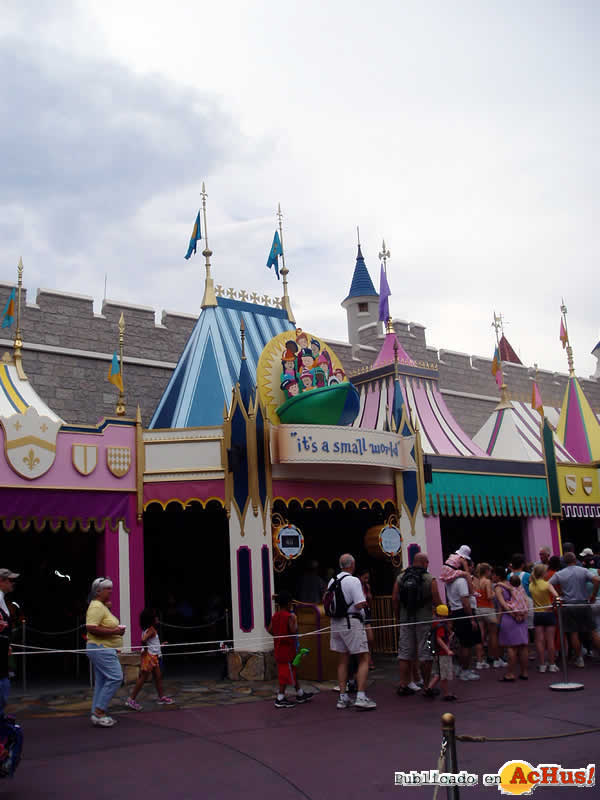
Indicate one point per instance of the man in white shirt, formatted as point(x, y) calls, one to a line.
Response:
point(349, 637)
point(465, 627)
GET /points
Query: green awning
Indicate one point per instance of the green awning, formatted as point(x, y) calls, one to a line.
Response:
point(454, 494)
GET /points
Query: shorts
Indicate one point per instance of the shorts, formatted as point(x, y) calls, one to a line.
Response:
point(351, 640)
point(544, 619)
point(578, 619)
point(486, 614)
point(148, 662)
point(413, 642)
point(467, 635)
point(286, 674)
point(443, 667)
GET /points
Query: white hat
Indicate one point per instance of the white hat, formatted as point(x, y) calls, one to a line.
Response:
point(464, 551)
point(587, 551)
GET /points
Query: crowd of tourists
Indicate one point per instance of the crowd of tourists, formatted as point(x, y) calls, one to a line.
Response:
point(472, 617)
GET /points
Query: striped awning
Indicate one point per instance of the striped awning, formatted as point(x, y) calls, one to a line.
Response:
point(475, 495)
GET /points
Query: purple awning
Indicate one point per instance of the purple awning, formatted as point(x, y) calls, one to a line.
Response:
point(69, 508)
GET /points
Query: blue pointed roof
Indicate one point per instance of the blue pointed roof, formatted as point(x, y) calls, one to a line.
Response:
point(361, 280)
point(209, 366)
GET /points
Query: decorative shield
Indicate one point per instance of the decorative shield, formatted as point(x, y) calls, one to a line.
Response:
point(84, 458)
point(30, 442)
point(588, 484)
point(571, 483)
point(118, 460)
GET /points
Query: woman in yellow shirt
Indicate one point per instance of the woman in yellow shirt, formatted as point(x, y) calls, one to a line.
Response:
point(542, 594)
point(104, 637)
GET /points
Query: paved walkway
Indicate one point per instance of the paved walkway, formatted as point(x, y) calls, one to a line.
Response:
point(225, 743)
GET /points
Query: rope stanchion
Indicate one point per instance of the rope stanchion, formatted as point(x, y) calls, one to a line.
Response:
point(449, 735)
point(565, 685)
point(441, 764)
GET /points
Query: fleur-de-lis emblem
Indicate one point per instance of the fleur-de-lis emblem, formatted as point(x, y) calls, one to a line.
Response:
point(18, 425)
point(30, 460)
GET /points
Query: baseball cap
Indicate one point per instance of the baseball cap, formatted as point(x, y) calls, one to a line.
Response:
point(7, 573)
point(587, 551)
point(464, 551)
point(442, 610)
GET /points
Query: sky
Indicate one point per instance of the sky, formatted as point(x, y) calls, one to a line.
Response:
point(465, 134)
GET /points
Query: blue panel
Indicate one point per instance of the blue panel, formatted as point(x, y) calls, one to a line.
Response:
point(246, 385)
point(163, 418)
point(251, 308)
point(207, 402)
point(246, 610)
point(266, 578)
point(240, 475)
point(260, 452)
point(411, 491)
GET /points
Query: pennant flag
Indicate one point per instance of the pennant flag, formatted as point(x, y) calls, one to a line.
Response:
point(497, 367)
point(384, 294)
point(8, 317)
point(114, 373)
point(195, 238)
point(276, 251)
point(536, 400)
point(563, 334)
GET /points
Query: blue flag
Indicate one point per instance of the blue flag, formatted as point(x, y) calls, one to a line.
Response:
point(196, 236)
point(384, 293)
point(276, 251)
point(8, 317)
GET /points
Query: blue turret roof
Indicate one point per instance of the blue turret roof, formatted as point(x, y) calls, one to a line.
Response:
point(361, 280)
point(209, 366)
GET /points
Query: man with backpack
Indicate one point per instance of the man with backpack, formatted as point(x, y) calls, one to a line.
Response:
point(344, 602)
point(414, 597)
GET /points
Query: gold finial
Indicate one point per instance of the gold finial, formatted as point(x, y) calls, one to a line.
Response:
point(210, 298)
point(18, 343)
point(243, 337)
point(504, 395)
point(395, 359)
point(383, 256)
point(120, 409)
point(285, 300)
point(570, 362)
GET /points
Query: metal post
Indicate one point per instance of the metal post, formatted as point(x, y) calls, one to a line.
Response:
point(24, 659)
point(227, 623)
point(77, 655)
point(449, 734)
point(565, 685)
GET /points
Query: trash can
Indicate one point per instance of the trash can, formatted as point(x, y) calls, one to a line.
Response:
point(320, 664)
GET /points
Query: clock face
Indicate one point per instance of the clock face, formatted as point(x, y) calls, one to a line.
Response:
point(290, 541)
point(390, 540)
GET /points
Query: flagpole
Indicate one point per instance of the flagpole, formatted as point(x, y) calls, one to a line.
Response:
point(504, 401)
point(120, 409)
point(210, 298)
point(18, 344)
point(383, 256)
point(285, 300)
point(563, 311)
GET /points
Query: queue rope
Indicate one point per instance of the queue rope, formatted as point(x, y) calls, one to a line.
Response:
point(32, 650)
point(468, 738)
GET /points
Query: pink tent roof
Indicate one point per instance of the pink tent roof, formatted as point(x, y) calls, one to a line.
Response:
point(386, 354)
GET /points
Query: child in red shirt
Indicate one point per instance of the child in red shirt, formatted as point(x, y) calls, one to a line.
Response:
point(443, 671)
point(284, 627)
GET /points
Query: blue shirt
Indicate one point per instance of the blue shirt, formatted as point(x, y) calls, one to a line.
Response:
point(524, 580)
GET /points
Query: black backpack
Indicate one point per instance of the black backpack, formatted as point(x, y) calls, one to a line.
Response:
point(334, 600)
point(410, 589)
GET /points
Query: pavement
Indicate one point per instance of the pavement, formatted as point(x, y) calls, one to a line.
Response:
point(221, 742)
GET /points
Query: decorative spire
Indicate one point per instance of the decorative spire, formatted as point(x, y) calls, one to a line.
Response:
point(210, 298)
point(563, 311)
point(383, 256)
point(287, 306)
point(497, 324)
point(120, 409)
point(243, 338)
point(358, 235)
point(18, 344)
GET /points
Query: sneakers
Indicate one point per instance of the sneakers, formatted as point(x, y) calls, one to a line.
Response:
point(165, 701)
point(482, 665)
point(469, 675)
point(304, 697)
point(553, 668)
point(341, 703)
point(284, 703)
point(131, 703)
point(103, 722)
point(352, 687)
point(365, 704)
point(579, 662)
point(499, 663)
point(404, 691)
point(414, 686)
point(542, 667)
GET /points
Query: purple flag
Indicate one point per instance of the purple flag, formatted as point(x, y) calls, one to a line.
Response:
point(384, 293)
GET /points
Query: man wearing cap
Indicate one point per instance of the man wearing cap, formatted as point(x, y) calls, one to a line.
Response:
point(461, 602)
point(7, 580)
